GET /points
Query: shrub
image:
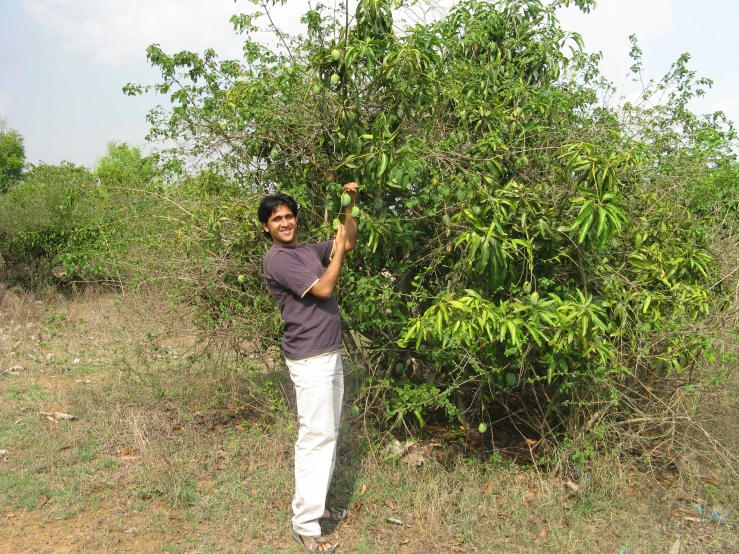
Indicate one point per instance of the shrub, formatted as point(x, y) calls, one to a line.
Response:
point(523, 248)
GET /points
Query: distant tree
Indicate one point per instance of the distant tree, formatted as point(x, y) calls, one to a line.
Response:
point(12, 156)
point(123, 165)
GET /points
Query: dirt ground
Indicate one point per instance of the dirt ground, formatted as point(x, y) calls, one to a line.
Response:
point(167, 456)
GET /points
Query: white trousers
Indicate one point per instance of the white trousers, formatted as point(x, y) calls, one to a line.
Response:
point(319, 389)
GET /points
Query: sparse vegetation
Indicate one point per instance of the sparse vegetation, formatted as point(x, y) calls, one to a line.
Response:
point(544, 297)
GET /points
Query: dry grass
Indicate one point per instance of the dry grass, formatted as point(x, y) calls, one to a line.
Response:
point(177, 448)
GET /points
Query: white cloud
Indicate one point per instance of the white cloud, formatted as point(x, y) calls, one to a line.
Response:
point(117, 31)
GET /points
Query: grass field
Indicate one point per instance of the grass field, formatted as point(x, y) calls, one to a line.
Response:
point(177, 448)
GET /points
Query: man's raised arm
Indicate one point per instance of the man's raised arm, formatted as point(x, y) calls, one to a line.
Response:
point(349, 222)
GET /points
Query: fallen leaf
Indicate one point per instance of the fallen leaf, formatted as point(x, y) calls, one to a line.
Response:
point(694, 519)
point(394, 521)
point(574, 487)
point(675, 548)
point(488, 490)
point(389, 503)
point(689, 512)
point(9, 515)
point(674, 513)
point(529, 496)
point(362, 489)
point(57, 415)
point(543, 532)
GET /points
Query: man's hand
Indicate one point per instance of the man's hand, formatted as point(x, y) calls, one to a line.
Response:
point(340, 240)
point(349, 222)
point(324, 288)
point(351, 190)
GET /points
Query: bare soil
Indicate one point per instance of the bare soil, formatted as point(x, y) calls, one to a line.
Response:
point(174, 451)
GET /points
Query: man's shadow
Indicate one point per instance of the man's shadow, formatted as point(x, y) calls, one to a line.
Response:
point(353, 445)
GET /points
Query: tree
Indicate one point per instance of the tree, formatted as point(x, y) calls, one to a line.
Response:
point(516, 254)
point(124, 166)
point(12, 156)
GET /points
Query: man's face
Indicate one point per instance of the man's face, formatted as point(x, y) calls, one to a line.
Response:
point(282, 227)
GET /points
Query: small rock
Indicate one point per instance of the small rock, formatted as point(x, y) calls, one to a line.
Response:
point(76, 361)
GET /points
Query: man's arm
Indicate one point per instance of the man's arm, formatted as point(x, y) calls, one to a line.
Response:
point(324, 287)
point(349, 222)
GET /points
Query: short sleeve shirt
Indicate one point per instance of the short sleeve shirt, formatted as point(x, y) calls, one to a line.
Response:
point(311, 326)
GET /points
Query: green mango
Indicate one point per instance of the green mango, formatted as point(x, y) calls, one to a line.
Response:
point(511, 379)
point(335, 79)
point(335, 55)
point(482, 428)
point(336, 223)
point(355, 212)
point(345, 200)
point(534, 298)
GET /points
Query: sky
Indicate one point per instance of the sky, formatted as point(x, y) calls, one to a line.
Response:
point(63, 63)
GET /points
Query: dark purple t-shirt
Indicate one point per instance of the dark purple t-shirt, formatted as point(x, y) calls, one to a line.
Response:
point(311, 326)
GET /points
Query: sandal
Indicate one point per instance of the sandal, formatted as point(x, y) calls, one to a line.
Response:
point(311, 544)
point(336, 515)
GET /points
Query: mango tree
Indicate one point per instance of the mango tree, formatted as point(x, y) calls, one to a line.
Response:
point(514, 253)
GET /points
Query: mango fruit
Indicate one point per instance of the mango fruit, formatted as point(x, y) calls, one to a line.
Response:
point(534, 298)
point(345, 200)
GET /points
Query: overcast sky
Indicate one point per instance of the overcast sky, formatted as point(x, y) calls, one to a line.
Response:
point(63, 62)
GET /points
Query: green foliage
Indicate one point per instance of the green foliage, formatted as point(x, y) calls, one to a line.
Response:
point(511, 224)
point(48, 218)
point(66, 224)
point(12, 156)
point(124, 166)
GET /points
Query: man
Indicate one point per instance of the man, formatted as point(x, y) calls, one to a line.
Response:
point(302, 278)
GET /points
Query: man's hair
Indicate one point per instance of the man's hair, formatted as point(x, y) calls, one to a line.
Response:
point(269, 204)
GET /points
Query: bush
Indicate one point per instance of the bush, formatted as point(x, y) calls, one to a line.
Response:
point(522, 248)
point(12, 156)
point(51, 217)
